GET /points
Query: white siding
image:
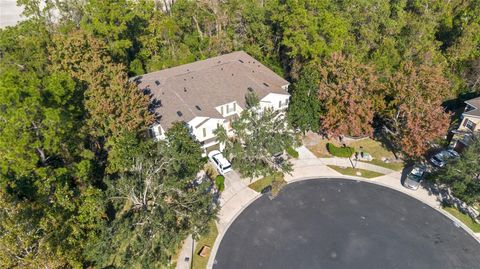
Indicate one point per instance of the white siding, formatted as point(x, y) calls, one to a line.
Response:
point(203, 125)
point(229, 109)
point(275, 101)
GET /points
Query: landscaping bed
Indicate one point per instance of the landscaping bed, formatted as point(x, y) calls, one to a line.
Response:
point(349, 171)
point(198, 261)
point(319, 147)
point(467, 220)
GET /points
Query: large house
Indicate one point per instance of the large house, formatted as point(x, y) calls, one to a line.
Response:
point(211, 93)
point(470, 123)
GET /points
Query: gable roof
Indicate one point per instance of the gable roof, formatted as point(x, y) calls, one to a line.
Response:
point(475, 102)
point(194, 90)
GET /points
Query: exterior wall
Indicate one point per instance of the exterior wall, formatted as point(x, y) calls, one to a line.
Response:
point(275, 101)
point(229, 109)
point(207, 126)
point(202, 127)
point(475, 120)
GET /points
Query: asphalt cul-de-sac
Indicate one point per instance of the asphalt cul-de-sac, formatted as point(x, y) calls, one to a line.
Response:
point(338, 223)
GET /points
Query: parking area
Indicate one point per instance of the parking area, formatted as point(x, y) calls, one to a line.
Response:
point(338, 223)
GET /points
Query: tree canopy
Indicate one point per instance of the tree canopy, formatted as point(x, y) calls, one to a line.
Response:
point(259, 134)
point(71, 120)
point(462, 175)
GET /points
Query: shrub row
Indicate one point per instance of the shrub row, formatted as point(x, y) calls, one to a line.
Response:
point(220, 183)
point(343, 152)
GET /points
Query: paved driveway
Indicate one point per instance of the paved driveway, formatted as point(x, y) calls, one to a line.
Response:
point(236, 195)
point(335, 223)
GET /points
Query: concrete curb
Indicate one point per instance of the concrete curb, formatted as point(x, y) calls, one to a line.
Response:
point(219, 238)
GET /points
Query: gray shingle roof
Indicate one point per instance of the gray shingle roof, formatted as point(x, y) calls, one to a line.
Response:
point(475, 102)
point(187, 91)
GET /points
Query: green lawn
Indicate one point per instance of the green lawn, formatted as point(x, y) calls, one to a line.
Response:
point(208, 240)
point(276, 181)
point(349, 171)
point(373, 147)
point(463, 218)
point(397, 166)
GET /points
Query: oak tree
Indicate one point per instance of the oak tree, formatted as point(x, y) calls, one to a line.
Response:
point(350, 94)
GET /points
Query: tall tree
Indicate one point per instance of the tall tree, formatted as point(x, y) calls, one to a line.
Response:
point(113, 104)
point(153, 210)
point(462, 175)
point(350, 94)
point(259, 134)
point(308, 29)
point(117, 23)
point(50, 208)
point(304, 108)
point(114, 107)
point(414, 115)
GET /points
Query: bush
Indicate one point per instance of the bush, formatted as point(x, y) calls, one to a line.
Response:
point(220, 183)
point(292, 152)
point(343, 152)
point(210, 171)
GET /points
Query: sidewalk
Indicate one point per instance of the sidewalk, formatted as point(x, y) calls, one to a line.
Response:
point(186, 252)
point(345, 162)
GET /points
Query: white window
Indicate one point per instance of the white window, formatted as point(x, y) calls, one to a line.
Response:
point(221, 109)
point(204, 132)
point(234, 107)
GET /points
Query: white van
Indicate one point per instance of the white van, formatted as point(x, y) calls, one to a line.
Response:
point(223, 165)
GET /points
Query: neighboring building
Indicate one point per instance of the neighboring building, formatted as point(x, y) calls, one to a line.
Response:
point(470, 123)
point(471, 116)
point(211, 93)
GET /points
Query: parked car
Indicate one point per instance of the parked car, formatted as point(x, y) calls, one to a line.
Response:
point(221, 163)
point(440, 159)
point(415, 177)
point(278, 158)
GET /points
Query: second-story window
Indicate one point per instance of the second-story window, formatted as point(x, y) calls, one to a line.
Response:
point(204, 132)
point(470, 124)
point(234, 107)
